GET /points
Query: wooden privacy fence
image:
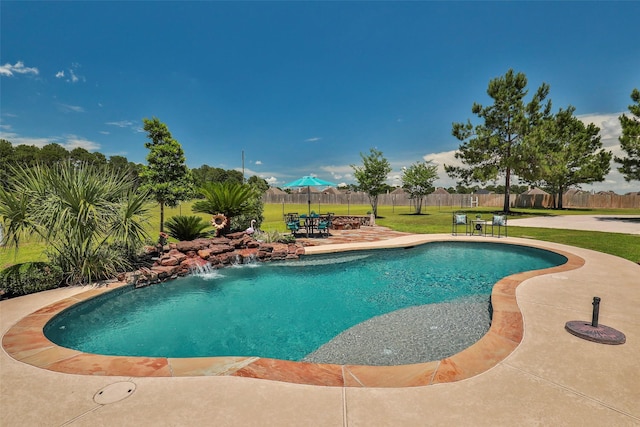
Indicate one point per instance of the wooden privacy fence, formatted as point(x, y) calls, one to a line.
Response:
point(578, 200)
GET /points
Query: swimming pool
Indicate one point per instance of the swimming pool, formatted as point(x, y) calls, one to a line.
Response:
point(285, 310)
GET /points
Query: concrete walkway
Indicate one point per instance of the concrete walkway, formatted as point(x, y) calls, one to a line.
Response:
point(551, 378)
point(628, 224)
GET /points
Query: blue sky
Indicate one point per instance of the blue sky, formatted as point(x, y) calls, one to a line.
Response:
point(302, 87)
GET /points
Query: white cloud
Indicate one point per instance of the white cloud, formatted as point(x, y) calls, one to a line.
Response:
point(272, 180)
point(69, 142)
point(5, 127)
point(73, 77)
point(73, 141)
point(71, 74)
point(443, 158)
point(126, 124)
point(66, 108)
point(258, 162)
point(121, 123)
point(314, 139)
point(8, 70)
point(609, 125)
point(104, 132)
point(22, 140)
point(340, 170)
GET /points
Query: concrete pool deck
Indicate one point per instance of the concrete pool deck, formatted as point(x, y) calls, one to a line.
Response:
point(551, 378)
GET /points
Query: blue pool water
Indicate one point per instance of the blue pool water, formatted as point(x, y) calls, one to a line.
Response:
point(285, 310)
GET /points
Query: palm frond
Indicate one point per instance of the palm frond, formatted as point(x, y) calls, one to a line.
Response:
point(187, 227)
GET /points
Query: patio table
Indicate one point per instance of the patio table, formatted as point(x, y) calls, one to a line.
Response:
point(311, 223)
point(479, 227)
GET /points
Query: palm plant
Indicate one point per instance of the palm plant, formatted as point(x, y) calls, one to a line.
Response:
point(90, 217)
point(182, 227)
point(227, 198)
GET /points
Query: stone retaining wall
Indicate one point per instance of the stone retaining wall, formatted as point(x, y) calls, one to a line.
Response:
point(181, 258)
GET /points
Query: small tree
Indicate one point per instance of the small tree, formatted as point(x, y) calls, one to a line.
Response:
point(166, 177)
point(630, 140)
point(490, 149)
point(417, 180)
point(372, 176)
point(563, 152)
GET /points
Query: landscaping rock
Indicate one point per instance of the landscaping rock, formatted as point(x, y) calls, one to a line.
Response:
point(193, 245)
point(183, 257)
point(168, 260)
point(179, 256)
point(164, 272)
point(219, 249)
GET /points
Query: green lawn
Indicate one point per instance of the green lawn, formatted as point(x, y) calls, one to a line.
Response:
point(401, 218)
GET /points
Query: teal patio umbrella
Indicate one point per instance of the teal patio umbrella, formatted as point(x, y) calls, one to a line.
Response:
point(309, 181)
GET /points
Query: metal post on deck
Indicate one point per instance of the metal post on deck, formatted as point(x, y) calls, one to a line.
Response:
point(594, 332)
point(596, 312)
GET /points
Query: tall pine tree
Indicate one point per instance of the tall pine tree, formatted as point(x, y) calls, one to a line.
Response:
point(630, 140)
point(489, 149)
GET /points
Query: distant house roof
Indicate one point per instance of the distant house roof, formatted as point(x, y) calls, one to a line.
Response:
point(573, 191)
point(331, 190)
point(612, 193)
point(398, 190)
point(632, 193)
point(535, 191)
point(275, 191)
point(482, 191)
point(305, 190)
point(440, 190)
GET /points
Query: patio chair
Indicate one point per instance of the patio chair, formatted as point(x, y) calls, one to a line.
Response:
point(323, 225)
point(460, 219)
point(293, 223)
point(499, 222)
point(291, 216)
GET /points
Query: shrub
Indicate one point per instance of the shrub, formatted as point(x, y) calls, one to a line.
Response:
point(274, 237)
point(182, 227)
point(75, 208)
point(30, 277)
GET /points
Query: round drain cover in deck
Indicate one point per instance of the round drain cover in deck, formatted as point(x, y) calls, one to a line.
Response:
point(600, 334)
point(114, 392)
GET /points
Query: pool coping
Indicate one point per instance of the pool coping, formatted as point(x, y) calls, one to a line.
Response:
point(25, 341)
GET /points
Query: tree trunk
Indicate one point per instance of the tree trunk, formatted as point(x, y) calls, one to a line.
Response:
point(374, 205)
point(161, 217)
point(507, 191)
point(560, 198)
